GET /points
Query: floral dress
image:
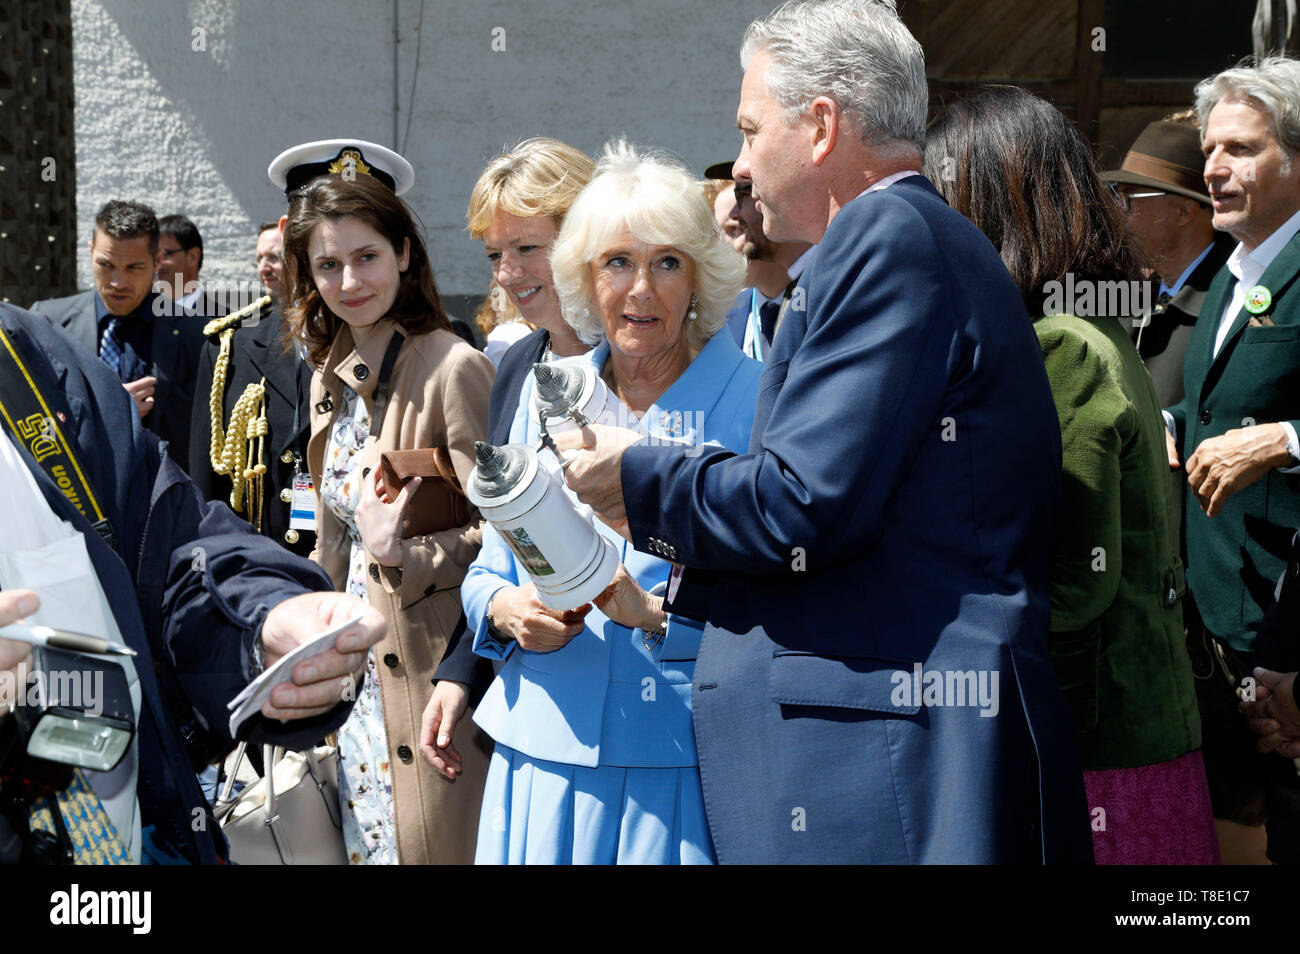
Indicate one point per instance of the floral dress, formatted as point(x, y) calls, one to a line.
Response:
point(365, 783)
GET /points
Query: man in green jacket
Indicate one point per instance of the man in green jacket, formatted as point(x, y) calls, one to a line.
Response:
point(1236, 425)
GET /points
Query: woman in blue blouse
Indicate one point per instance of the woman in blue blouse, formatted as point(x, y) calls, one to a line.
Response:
point(595, 758)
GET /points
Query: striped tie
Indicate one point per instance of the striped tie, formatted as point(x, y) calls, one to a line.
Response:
point(110, 345)
point(94, 839)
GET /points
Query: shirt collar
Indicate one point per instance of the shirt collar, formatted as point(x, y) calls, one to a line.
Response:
point(1173, 289)
point(144, 310)
point(886, 182)
point(1242, 263)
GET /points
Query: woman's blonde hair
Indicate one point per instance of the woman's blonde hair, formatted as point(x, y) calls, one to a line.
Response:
point(656, 199)
point(537, 177)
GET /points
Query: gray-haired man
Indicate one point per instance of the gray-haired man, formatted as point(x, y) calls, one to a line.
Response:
point(1236, 425)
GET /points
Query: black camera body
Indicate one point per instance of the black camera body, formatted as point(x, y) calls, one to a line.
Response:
point(70, 711)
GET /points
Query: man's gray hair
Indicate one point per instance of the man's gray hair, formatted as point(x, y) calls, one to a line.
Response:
point(1273, 86)
point(857, 52)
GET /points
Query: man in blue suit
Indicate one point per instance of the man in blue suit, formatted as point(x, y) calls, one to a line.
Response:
point(873, 684)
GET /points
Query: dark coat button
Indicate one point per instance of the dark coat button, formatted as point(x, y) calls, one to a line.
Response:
point(404, 753)
point(428, 590)
point(374, 572)
point(1205, 417)
point(361, 372)
point(390, 660)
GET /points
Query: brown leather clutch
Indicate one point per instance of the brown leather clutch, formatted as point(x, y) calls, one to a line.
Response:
point(439, 504)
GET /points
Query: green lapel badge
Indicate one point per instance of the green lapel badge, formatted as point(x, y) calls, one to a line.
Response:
point(1258, 300)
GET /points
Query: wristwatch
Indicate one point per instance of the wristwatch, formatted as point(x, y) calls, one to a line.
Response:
point(496, 635)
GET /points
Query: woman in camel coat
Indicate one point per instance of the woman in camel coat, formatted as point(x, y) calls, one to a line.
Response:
point(363, 292)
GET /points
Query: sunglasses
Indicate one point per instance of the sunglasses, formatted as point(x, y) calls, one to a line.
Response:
point(1125, 199)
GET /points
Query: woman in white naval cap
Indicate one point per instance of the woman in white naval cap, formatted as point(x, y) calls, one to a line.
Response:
point(389, 375)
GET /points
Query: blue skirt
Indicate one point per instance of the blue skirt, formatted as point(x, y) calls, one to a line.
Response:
point(540, 812)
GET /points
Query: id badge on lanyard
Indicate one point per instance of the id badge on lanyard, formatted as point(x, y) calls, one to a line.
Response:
point(302, 510)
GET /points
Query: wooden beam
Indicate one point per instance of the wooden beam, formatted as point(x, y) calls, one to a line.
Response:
point(1088, 67)
point(1114, 93)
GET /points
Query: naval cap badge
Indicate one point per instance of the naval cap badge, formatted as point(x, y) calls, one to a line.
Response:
point(349, 163)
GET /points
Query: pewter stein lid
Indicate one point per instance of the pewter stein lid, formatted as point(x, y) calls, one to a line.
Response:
point(499, 468)
point(559, 389)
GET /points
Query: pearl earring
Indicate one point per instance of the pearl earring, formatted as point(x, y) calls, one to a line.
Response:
point(692, 314)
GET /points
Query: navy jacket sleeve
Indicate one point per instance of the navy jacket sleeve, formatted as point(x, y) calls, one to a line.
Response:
point(201, 626)
point(515, 365)
point(461, 664)
point(857, 396)
point(222, 580)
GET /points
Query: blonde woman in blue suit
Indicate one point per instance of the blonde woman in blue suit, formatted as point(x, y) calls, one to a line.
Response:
point(595, 756)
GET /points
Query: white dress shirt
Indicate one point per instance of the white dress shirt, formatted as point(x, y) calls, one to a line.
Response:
point(1248, 268)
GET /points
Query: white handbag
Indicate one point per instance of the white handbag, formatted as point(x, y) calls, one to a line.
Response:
point(291, 816)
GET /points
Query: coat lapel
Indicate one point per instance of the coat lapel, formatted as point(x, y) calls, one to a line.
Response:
point(165, 339)
point(1277, 278)
point(265, 351)
point(80, 322)
point(285, 374)
point(789, 335)
point(1191, 298)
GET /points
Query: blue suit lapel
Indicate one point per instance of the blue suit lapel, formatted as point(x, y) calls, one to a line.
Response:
point(789, 336)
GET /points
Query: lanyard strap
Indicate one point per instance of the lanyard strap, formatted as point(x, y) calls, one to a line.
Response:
point(755, 331)
point(381, 385)
point(34, 425)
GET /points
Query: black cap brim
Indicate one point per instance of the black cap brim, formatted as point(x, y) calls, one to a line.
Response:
point(719, 170)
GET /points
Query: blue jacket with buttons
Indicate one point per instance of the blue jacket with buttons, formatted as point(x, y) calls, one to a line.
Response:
point(605, 698)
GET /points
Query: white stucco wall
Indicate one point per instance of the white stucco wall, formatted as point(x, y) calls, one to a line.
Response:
point(192, 130)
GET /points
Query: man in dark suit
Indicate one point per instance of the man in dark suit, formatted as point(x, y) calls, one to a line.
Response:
point(1236, 425)
point(205, 603)
point(152, 346)
point(257, 357)
point(889, 532)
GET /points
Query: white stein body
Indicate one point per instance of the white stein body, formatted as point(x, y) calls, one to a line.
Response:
point(558, 546)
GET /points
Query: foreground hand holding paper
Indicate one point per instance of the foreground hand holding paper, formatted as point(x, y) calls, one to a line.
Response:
point(258, 692)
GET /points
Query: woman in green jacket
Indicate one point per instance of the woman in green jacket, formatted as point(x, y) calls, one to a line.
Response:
point(1021, 172)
